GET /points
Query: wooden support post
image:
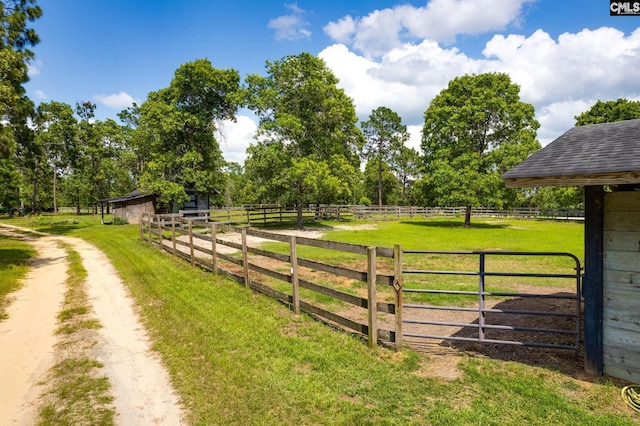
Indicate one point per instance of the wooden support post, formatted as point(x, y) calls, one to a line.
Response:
point(592, 285)
point(151, 218)
point(193, 258)
point(397, 286)
point(214, 252)
point(294, 276)
point(173, 235)
point(373, 301)
point(245, 258)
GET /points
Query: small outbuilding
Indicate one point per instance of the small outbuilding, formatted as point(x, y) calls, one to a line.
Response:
point(130, 207)
point(605, 159)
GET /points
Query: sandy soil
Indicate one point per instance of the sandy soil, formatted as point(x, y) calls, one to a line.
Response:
point(27, 336)
point(140, 384)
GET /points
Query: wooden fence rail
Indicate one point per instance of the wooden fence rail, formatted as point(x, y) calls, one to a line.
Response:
point(201, 243)
point(268, 214)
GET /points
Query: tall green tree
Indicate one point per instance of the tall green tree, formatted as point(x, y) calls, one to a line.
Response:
point(56, 132)
point(15, 40)
point(609, 111)
point(304, 119)
point(475, 130)
point(373, 178)
point(408, 169)
point(177, 128)
point(118, 161)
point(385, 137)
point(93, 152)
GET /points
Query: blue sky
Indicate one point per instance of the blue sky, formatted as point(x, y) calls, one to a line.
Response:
point(565, 54)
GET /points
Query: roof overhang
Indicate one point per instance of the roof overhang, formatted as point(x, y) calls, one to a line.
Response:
point(620, 178)
point(597, 154)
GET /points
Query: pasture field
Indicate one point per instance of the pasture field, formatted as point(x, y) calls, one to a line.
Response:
point(240, 358)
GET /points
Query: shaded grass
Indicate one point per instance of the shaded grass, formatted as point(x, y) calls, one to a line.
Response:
point(14, 257)
point(240, 358)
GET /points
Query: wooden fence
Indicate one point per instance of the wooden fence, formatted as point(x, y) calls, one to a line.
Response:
point(270, 214)
point(209, 245)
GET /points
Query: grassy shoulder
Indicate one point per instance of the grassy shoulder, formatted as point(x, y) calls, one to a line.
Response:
point(14, 266)
point(240, 358)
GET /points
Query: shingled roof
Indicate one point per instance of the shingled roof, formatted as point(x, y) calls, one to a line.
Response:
point(131, 196)
point(597, 154)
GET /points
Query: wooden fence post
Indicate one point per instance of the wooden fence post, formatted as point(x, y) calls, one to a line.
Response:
point(294, 276)
point(160, 232)
point(173, 235)
point(245, 258)
point(142, 226)
point(214, 253)
point(193, 258)
point(373, 301)
point(397, 286)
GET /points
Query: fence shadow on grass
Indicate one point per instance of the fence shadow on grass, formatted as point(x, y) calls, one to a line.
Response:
point(454, 224)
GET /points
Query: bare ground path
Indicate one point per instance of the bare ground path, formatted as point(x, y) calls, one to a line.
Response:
point(141, 387)
point(27, 336)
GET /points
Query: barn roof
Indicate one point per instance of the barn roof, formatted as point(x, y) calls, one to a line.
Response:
point(597, 154)
point(131, 196)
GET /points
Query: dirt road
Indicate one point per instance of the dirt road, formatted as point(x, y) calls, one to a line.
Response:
point(142, 392)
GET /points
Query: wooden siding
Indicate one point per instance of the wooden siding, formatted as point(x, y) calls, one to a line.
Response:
point(132, 210)
point(621, 304)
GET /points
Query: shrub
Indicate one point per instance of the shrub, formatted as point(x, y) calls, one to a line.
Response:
point(120, 221)
point(365, 201)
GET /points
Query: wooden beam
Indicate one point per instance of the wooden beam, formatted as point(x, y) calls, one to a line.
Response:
point(575, 180)
point(592, 286)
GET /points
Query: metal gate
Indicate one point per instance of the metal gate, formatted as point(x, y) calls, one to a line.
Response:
point(491, 303)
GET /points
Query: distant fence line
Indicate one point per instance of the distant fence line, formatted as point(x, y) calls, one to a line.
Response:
point(268, 214)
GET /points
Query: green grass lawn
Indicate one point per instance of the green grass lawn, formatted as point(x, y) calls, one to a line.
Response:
point(240, 358)
point(14, 256)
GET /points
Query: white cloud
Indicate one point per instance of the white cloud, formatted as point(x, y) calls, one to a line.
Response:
point(342, 30)
point(40, 94)
point(33, 68)
point(440, 20)
point(415, 137)
point(405, 79)
point(120, 100)
point(561, 77)
point(594, 63)
point(557, 117)
point(235, 137)
point(290, 27)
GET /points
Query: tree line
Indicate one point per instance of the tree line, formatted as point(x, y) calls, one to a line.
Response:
point(309, 148)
